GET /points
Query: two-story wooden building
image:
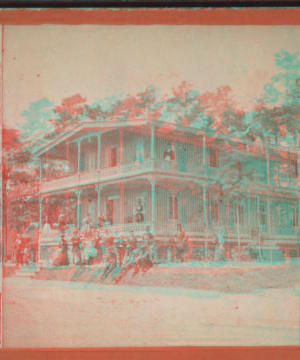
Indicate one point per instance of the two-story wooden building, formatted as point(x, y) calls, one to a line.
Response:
point(141, 173)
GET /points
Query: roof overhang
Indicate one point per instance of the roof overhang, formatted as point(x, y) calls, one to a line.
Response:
point(87, 126)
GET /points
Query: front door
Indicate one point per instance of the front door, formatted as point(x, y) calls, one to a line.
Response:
point(110, 212)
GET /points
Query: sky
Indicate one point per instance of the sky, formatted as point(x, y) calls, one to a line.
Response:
point(58, 61)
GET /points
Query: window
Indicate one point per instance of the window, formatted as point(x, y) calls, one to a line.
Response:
point(293, 168)
point(213, 158)
point(173, 213)
point(282, 209)
point(91, 160)
point(214, 212)
point(263, 214)
point(241, 214)
point(139, 152)
point(295, 215)
point(111, 157)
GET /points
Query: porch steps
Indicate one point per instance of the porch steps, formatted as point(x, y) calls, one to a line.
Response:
point(27, 271)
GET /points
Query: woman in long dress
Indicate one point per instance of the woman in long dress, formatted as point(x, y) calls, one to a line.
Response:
point(62, 258)
point(86, 228)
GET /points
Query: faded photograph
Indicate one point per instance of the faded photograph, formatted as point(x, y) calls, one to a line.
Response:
point(150, 186)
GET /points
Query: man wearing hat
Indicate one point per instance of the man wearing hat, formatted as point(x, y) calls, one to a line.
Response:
point(97, 243)
point(111, 263)
point(76, 247)
point(119, 246)
point(143, 257)
point(151, 245)
point(129, 262)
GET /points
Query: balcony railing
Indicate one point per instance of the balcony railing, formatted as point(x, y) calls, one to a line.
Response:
point(111, 173)
point(23, 189)
point(105, 174)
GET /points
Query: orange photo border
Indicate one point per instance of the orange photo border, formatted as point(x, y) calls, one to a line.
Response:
point(138, 16)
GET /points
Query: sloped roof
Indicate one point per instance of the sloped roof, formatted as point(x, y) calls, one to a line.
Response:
point(39, 144)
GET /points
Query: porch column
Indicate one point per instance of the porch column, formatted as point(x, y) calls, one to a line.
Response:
point(204, 154)
point(173, 211)
point(173, 149)
point(67, 206)
point(153, 205)
point(67, 155)
point(238, 220)
point(152, 144)
point(205, 221)
point(298, 176)
point(269, 214)
point(99, 148)
point(41, 167)
point(249, 215)
point(47, 158)
point(7, 239)
point(121, 148)
point(40, 231)
point(268, 181)
point(98, 189)
point(78, 157)
point(268, 164)
point(121, 187)
point(46, 206)
point(258, 224)
point(78, 193)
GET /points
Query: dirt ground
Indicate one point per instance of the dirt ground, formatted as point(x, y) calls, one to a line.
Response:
point(52, 313)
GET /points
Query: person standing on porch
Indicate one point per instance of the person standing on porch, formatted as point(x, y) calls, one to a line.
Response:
point(46, 228)
point(139, 211)
point(108, 218)
point(169, 153)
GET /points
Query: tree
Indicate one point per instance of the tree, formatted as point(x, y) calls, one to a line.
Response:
point(185, 108)
point(69, 112)
point(36, 117)
point(282, 94)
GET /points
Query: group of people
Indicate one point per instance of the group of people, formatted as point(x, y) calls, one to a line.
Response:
point(24, 251)
point(115, 255)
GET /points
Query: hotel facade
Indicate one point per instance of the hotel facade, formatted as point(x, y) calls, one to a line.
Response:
point(140, 173)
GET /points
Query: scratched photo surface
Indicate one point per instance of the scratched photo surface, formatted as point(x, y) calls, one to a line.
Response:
point(150, 186)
